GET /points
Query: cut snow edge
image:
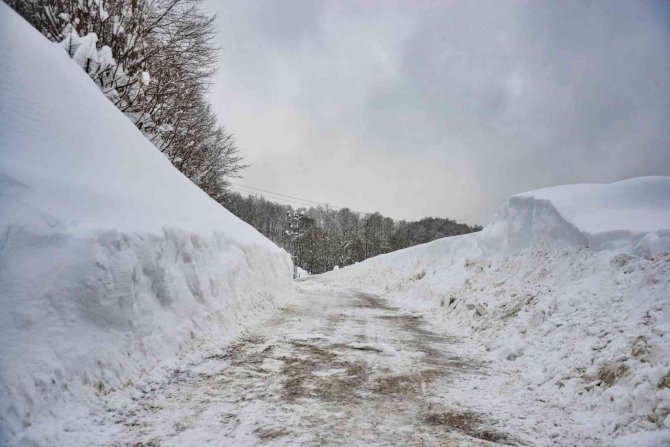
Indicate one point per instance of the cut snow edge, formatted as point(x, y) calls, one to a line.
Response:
point(630, 216)
point(112, 263)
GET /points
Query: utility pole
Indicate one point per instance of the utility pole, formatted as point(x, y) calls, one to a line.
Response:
point(293, 232)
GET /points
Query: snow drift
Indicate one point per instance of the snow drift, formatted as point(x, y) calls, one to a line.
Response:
point(631, 216)
point(111, 261)
point(570, 284)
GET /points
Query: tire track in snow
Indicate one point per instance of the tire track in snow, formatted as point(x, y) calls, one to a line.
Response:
point(339, 367)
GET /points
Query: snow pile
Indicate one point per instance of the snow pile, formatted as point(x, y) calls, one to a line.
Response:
point(112, 263)
point(630, 216)
point(570, 285)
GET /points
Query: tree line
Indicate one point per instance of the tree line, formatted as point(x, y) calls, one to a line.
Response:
point(154, 59)
point(341, 237)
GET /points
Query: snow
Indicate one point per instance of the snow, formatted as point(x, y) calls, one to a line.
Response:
point(145, 77)
point(637, 205)
point(630, 216)
point(82, 49)
point(617, 215)
point(568, 287)
point(114, 268)
point(644, 439)
point(113, 265)
point(104, 15)
point(302, 273)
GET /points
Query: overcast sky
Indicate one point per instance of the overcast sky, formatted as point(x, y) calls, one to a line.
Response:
point(417, 108)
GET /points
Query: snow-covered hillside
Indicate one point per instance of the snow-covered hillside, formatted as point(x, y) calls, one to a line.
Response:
point(111, 262)
point(568, 284)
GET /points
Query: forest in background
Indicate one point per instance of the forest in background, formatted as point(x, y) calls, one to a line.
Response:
point(337, 237)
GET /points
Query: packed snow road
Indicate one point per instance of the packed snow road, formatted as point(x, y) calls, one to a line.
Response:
point(338, 367)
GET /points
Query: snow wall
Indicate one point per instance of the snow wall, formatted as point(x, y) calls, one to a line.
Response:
point(631, 216)
point(628, 218)
point(111, 261)
point(571, 285)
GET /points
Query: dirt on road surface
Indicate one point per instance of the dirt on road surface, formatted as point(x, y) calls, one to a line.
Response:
point(338, 367)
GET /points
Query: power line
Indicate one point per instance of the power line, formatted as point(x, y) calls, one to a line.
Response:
point(274, 197)
point(293, 198)
point(278, 194)
point(280, 200)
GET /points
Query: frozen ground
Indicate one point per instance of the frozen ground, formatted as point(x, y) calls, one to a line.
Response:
point(340, 367)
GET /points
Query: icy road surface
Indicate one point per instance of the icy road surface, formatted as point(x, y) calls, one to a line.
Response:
point(338, 367)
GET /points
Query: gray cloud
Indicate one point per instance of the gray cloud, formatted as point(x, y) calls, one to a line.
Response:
point(443, 108)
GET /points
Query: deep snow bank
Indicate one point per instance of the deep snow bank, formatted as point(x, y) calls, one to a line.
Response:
point(111, 261)
point(570, 285)
point(630, 216)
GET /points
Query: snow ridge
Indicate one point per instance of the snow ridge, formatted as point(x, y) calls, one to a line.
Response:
point(631, 216)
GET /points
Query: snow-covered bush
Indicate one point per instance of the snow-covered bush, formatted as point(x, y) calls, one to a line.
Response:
point(154, 60)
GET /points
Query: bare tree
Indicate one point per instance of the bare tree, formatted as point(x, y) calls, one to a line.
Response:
point(155, 61)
